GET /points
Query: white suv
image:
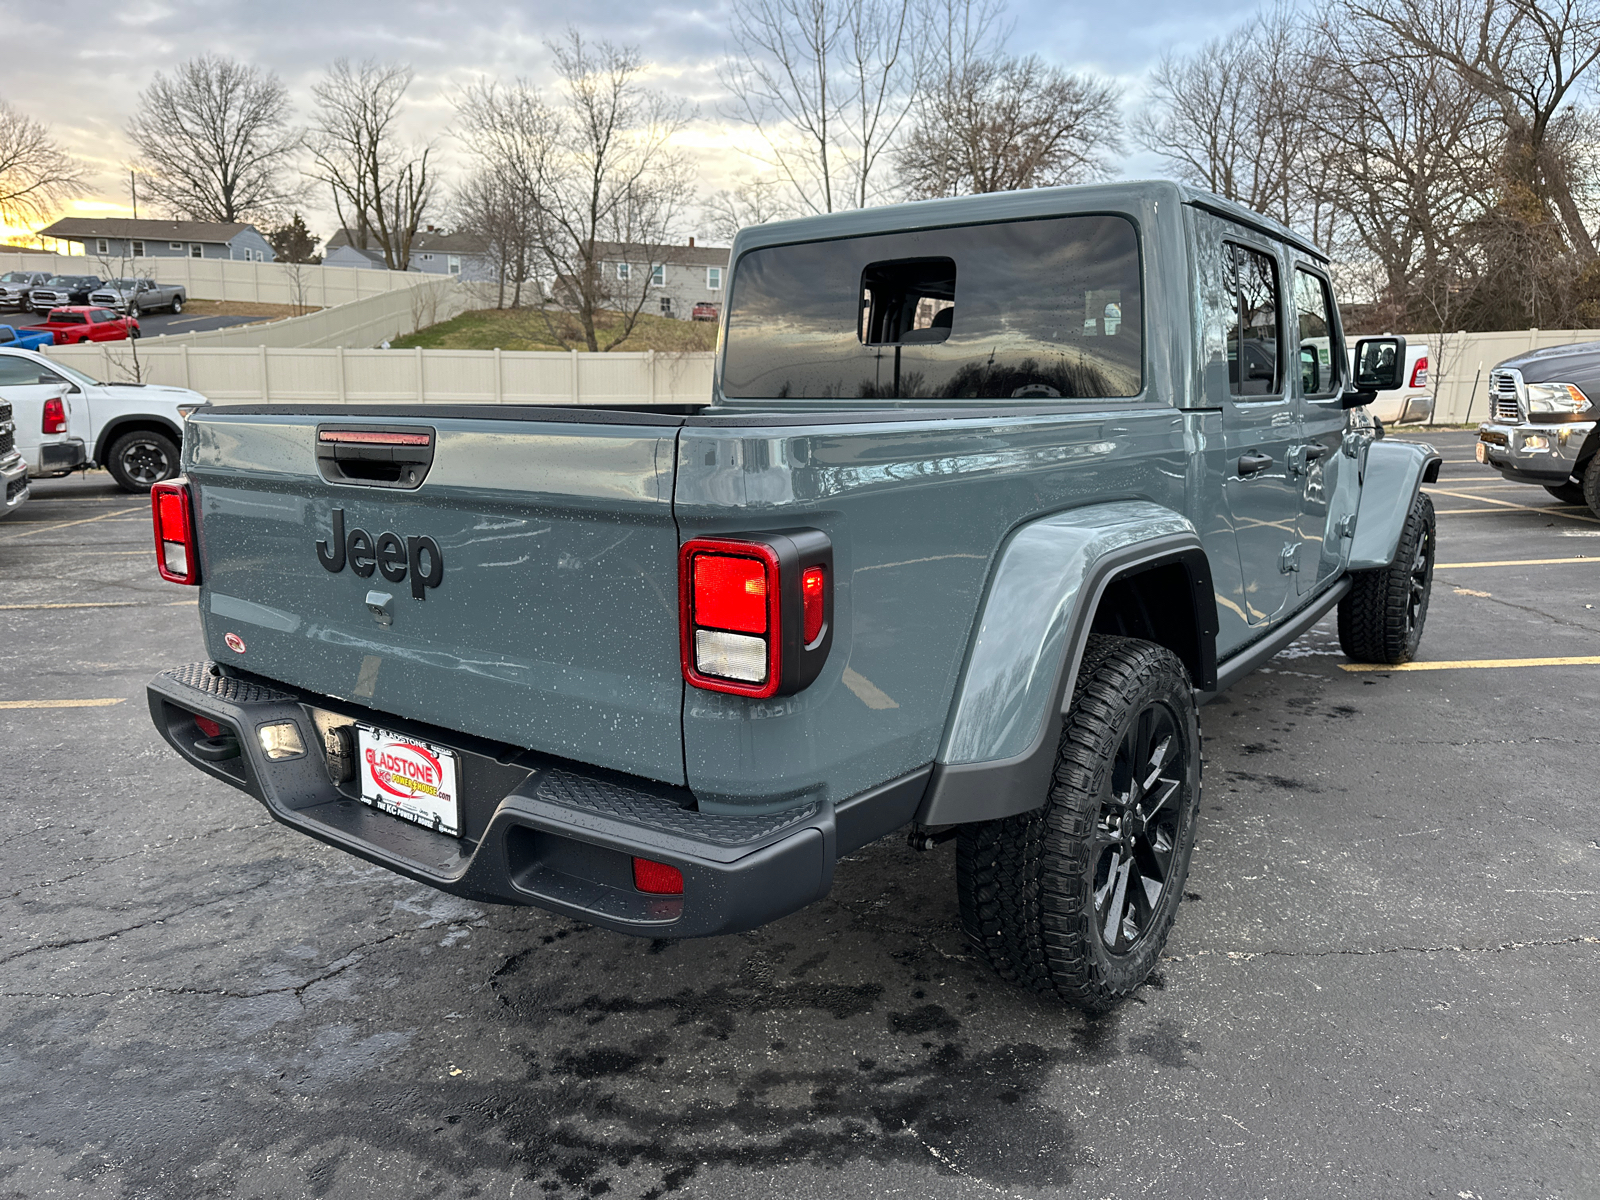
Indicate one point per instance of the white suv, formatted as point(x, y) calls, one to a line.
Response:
point(65, 420)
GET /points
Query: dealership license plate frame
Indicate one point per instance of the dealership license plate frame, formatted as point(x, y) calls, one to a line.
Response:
point(406, 794)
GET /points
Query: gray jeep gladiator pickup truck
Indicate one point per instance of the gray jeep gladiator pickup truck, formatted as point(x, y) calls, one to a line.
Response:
point(1544, 423)
point(982, 507)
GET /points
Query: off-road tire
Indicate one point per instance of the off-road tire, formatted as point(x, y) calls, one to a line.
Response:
point(177, 305)
point(141, 459)
point(1027, 884)
point(1568, 493)
point(1381, 618)
point(1591, 485)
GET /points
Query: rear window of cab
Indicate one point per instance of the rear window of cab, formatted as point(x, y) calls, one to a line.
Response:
point(1033, 310)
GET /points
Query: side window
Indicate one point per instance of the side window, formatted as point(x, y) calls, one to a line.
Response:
point(1253, 352)
point(16, 371)
point(1320, 353)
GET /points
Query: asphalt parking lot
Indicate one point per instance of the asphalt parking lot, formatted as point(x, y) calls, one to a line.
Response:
point(1383, 982)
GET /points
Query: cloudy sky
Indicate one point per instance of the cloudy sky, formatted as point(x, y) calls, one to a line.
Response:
point(79, 66)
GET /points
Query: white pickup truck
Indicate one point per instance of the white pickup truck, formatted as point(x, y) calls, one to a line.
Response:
point(66, 420)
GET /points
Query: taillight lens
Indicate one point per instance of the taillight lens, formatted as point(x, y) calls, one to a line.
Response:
point(658, 879)
point(55, 416)
point(1419, 373)
point(177, 556)
point(755, 614)
point(813, 591)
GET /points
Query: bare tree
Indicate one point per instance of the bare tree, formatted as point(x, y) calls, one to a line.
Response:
point(1003, 123)
point(827, 84)
point(491, 206)
point(1527, 57)
point(598, 175)
point(1230, 117)
point(1416, 146)
point(215, 141)
point(381, 187)
point(753, 201)
point(36, 175)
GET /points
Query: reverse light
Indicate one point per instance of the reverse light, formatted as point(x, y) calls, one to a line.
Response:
point(658, 879)
point(755, 614)
point(177, 556)
point(55, 416)
point(1419, 373)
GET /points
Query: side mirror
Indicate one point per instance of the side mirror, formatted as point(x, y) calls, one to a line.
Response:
point(1380, 367)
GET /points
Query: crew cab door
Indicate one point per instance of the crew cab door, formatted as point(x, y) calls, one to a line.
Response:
point(1260, 426)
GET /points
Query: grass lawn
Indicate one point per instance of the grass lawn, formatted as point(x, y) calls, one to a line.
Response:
point(525, 329)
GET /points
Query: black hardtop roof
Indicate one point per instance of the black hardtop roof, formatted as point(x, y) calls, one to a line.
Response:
point(1124, 195)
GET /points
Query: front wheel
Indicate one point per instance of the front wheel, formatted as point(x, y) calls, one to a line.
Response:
point(1591, 485)
point(1381, 618)
point(142, 459)
point(1075, 899)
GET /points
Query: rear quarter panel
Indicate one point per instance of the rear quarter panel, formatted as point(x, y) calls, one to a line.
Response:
point(917, 513)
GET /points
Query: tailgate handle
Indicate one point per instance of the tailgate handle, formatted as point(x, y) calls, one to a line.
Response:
point(392, 456)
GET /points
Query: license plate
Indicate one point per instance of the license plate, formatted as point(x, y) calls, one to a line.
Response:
point(410, 778)
point(1483, 452)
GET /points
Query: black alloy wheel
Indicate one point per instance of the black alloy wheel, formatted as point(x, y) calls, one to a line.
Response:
point(141, 459)
point(1075, 899)
point(1136, 833)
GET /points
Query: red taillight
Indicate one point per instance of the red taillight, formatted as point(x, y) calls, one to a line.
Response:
point(177, 556)
point(55, 416)
point(657, 878)
point(1419, 373)
point(813, 586)
point(755, 614)
point(730, 592)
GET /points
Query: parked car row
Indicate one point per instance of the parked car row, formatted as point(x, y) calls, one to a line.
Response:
point(41, 291)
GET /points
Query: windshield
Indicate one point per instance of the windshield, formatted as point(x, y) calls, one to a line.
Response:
point(128, 284)
point(59, 281)
point(14, 277)
point(73, 374)
point(1025, 310)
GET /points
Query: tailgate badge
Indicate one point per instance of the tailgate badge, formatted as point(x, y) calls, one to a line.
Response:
point(389, 554)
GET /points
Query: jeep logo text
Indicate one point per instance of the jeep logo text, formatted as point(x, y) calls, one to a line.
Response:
point(390, 555)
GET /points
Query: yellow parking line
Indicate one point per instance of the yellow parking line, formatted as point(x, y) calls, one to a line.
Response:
point(61, 703)
point(43, 525)
point(1590, 660)
point(1516, 562)
point(1555, 511)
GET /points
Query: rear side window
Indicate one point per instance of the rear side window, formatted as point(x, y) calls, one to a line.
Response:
point(16, 371)
point(1253, 350)
point(1026, 310)
point(66, 318)
point(1319, 354)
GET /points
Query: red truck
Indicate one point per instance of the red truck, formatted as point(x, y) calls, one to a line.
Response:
point(81, 323)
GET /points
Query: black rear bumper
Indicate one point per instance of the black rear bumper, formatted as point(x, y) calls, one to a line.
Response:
point(535, 830)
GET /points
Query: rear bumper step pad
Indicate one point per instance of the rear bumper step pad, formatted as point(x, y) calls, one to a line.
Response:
point(536, 830)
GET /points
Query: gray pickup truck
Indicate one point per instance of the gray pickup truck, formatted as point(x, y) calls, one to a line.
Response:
point(981, 509)
point(1544, 423)
point(134, 296)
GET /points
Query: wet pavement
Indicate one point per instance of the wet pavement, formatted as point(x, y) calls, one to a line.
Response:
point(1383, 981)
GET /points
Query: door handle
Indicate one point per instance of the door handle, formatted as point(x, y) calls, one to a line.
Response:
point(1253, 463)
point(1316, 450)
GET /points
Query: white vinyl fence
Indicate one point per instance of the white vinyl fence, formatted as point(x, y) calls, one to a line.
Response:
point(225, 279)
point(343, 376)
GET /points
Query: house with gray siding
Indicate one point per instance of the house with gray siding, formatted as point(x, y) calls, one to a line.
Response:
point(433, 252)
point(680, 276)
point(125, 237)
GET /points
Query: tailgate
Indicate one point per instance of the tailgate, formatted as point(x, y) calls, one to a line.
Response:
point(552, 623)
